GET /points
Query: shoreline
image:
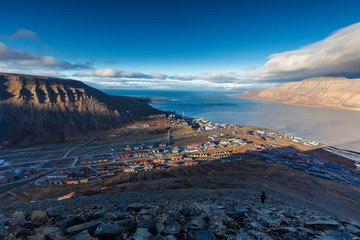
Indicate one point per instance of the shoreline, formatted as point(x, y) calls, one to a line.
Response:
point(149, 99)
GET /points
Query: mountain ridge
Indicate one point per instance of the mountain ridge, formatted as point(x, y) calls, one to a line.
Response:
point(329, 92)
point(36, 109)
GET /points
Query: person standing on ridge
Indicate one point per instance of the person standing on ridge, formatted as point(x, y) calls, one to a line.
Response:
point(263, 197)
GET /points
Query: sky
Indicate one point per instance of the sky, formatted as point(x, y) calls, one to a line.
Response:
point(187, 44)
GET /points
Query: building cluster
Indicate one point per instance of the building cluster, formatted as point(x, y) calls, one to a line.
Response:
point(95, 159)
point(72, 176)
point(308, 163)
point(205, 125)
point(218, 141)
point(9, 175)
point(176, 120)
point(138, 126)
point(146, 157)
point(219, 149)
point(270, 136)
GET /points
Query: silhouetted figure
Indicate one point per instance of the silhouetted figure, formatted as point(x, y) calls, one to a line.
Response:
point(263, 197)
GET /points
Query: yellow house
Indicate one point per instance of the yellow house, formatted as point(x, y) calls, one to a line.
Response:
point(72, 181)
point(84, 180)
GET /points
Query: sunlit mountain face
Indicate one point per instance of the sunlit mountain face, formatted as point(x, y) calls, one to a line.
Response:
point(42, 109)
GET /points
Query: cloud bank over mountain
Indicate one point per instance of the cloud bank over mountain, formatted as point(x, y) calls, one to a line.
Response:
point(338, 54)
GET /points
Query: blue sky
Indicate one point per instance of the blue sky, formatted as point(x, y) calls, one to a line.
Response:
point(179, 44)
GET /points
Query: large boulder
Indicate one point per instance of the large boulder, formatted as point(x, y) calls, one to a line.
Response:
point(26, 232)
point(295, 236)
point(158, 227)
point(355, 224)
point(121, 207)
point(89, 226)
point(322, 224)
point(117, 215)
point(36, 237)
point(260, 235)
point(38, 217)
point(72, 220)
point(174, 214)
point(54, 211)
point(155, 210)
point(334, 235)
point(172, 228)
point(142, 234)
point(197, 223)
point(162, 218)
point(3, 231)
point(84, 235)
point(29, 225)
point(47, 230)
point(108, 231)
point(353, 230)
point(193, 210)
point(204, 235)
point(144, 221)
point(18, 216)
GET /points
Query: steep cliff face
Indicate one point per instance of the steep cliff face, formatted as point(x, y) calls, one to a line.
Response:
point(333, 92)
point(37, 109)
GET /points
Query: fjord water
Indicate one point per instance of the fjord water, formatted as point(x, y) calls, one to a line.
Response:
point(340, 128)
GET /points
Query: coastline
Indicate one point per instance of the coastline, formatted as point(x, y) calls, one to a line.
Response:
point(149, 99)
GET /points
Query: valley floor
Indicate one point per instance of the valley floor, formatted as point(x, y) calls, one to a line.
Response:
point(265, 161)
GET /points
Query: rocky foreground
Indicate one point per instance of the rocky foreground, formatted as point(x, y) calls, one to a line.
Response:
point(180, 214)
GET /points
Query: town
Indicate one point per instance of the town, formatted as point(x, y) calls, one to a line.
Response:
point(234, 144)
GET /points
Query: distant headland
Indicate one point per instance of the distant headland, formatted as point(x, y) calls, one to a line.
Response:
point(329, 92)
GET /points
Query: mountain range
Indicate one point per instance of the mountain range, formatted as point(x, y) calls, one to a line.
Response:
point(331, 92)
point(36, 109)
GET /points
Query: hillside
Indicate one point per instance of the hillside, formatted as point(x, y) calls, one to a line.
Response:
point(207, 202)
point(36, 109)
point(332, 92)
point(200, 214)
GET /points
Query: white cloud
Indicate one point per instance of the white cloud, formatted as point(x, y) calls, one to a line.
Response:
point(120, 74)
point(171, 84)
point(24, 33)
point(338, 54)
point(108, 77)
point(117, 73)
point(24, 70)
point(18, 58)
point(40, 61)
point(220, 77)
point(158, 75)
point(248, 68)
point(45, 72)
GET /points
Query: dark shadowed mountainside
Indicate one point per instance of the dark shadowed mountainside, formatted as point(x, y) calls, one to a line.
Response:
point(36, 109)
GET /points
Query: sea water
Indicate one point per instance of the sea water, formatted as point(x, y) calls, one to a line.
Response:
point(339, 128)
